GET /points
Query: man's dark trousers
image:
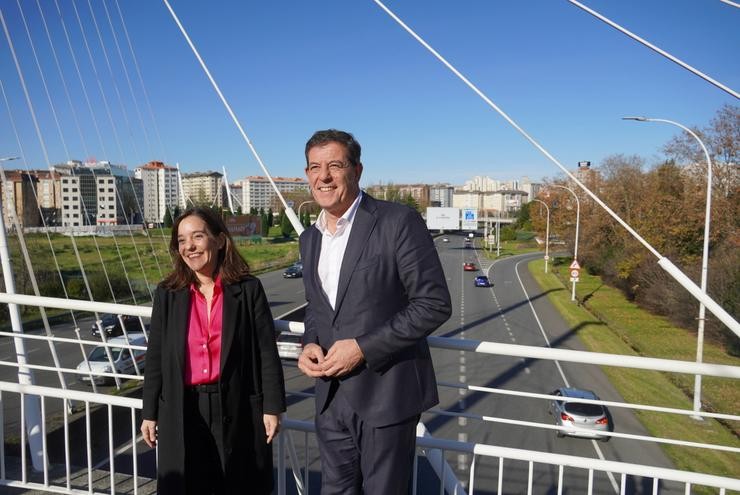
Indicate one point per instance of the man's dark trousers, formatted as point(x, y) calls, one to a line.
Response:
point(351, 447)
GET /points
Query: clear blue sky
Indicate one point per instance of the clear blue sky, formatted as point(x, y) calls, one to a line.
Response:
point(289, 68)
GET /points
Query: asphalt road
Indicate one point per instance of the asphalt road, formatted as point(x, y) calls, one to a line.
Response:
point(503, 313)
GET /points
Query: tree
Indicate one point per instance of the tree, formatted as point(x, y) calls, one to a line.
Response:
point(270, 218)
point(167, 220)
point(286, 228)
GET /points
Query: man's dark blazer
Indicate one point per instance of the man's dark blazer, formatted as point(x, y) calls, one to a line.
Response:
point(251, 384)
point(392, 293)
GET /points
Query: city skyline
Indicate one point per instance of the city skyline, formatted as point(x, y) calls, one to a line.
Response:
point(287, 70)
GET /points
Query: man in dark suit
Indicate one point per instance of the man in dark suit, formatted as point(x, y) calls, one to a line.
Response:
point(375, 290)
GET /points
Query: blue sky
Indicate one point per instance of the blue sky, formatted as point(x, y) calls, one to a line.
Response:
point(291, 67)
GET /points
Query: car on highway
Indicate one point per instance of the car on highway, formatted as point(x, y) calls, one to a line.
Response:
point(580, 419)
point(290, 345)
point(482, 281)
point(445, 239)
point(469, 267)
point(468, 243)
point(294, 271)
point(120, 356)
point(112, 325)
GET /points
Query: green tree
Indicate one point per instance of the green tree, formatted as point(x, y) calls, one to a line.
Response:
point(270, 218)
point(286, 228)
point(167, 218)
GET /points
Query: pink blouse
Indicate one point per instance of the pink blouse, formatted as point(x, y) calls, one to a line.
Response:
point(203, 351)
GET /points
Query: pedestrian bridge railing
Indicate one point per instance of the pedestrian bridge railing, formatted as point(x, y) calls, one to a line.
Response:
point(87, 442)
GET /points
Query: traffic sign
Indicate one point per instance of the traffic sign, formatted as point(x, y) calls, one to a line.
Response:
point(574, 279)
point(575, 273)
point(575, 265)
point(547, 257)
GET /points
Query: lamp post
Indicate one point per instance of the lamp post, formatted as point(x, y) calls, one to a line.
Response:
point(547, 232)
point(704, 258)
point(578, 222)
point(300, 205)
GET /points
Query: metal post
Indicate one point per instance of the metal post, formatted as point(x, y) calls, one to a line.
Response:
point(704, 257)
point(578, 222)
point(498, 234)
point(547, 233)
point(25, 375)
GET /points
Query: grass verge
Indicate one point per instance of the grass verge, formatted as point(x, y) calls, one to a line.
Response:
point(630, 330)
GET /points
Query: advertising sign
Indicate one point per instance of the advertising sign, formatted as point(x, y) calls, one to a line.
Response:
point(469, 219)
point(443, 218)
point(243, 225)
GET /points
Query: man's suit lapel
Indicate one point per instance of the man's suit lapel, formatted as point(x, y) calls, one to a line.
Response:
point(313, 253)
point(362, 227)
point(231, 311)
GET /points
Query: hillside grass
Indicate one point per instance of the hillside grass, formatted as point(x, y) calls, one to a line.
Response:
point(629, 330)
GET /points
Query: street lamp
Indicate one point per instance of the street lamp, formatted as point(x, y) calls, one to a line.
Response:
point(300, 205)
point(547, 232)
point(705, 254)
point(578, 221)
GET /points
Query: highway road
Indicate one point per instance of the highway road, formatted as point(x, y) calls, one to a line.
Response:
point(502, 313)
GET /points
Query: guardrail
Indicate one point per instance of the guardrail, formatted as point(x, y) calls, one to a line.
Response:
point(64, 471)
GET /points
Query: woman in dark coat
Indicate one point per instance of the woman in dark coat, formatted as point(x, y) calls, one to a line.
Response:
point(213, 385)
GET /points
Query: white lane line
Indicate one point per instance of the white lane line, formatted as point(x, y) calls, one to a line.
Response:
point(612, 480)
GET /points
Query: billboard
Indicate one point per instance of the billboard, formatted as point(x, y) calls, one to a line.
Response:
point(469, 219)
point(443, 218)
point(243, 225)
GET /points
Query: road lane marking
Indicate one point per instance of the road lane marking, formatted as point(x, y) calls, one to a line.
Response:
point(612, 480)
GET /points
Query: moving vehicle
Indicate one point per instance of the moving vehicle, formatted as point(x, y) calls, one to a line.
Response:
point(580, 419)
point(112, 325)
point(469, 267)
point(121, 357)
point(482, 281)
point(293, 271)
point(445, 239)
point(290, 345)
point(468, 244)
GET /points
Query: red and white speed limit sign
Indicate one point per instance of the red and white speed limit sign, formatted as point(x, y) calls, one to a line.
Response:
point(575, 273)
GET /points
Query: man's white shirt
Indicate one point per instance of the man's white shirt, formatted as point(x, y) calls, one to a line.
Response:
point(333, 247)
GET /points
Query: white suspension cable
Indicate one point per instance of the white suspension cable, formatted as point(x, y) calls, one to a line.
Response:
point(664, 53)
point(663, 262)
point(59, 128)
point(729, 2)
point(118, 195)
point(288, 210)
point(113, 31)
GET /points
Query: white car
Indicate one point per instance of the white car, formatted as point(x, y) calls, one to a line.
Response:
point(290, 345)
point(121, 357)
point(445, 239)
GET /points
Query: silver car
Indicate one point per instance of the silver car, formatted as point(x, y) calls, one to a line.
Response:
point(580, 419)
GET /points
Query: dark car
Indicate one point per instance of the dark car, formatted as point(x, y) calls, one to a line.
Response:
point(580, 419)
point(482, 281)
point(112, 325)
point(293, 271)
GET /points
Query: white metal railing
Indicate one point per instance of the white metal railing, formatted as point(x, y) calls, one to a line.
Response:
point(433, 449)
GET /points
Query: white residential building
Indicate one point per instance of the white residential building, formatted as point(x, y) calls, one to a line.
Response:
point(203, 189)
point(257, 192)
point(161, 190)
point(441, 195)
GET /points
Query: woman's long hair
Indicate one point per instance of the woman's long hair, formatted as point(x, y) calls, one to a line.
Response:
point(230, 265)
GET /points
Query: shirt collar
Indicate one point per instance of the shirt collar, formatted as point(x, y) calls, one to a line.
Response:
point(343, 221)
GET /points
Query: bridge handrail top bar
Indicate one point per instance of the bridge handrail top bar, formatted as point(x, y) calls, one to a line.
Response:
point(78, 395)
point(554, 459)
point(584, 357)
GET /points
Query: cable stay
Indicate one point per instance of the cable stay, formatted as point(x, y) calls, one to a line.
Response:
point(297, 225)
point(663, 262)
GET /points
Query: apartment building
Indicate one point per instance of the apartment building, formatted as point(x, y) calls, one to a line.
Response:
point(161, 190)
point(98, 193)
point(18, 196)
point(257, 192)
point(203, 188)
point(441, 195)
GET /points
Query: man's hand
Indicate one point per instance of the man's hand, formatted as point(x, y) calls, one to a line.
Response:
point(344, 356)
point(310, 361)
point(272, 425)
point(149, 431)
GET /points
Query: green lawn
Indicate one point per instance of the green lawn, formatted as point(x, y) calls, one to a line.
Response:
point(630, 330)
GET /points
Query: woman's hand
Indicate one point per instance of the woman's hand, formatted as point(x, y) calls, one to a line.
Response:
point(272, 425)
point(149, 431)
